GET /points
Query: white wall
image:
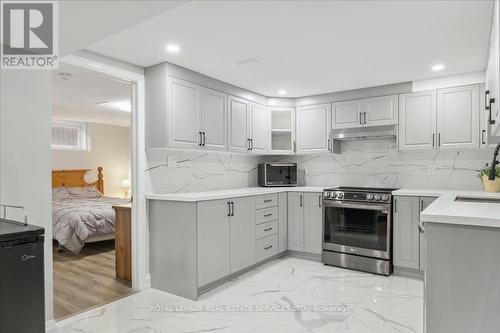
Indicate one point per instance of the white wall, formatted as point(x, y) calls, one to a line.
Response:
point(26, 99)
point(110, 147)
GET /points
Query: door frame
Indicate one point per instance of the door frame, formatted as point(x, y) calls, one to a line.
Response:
point(140, 250)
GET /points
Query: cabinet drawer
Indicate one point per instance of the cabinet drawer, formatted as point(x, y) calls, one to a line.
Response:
point(266, 229)
point(266, 215)
point(265, 201)
point(266, 247)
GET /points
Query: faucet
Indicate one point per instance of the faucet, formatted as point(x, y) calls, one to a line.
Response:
point(493, 172)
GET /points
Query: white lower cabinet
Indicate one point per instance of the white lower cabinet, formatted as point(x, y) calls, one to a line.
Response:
point(408, 242)
point(266, 247)
point(242, 230)
point(213, 241)
point(312, 222)
point(304, 222)
point(282, 222)
point(296, 221)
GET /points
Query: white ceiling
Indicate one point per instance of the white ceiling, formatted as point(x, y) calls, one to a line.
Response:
point(312, 47)
point(78, 98)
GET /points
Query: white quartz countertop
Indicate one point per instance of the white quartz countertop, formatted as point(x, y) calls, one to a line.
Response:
point(445, 209)
point(231, 193)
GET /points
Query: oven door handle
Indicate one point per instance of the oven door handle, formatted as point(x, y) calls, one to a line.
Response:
point(356, 205)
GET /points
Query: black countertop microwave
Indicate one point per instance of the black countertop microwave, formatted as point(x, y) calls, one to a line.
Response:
point(277, 174)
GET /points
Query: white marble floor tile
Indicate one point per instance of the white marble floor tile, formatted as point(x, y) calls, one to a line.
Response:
point(286, 295)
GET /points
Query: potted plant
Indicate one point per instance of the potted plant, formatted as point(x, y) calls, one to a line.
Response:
point(490, 185)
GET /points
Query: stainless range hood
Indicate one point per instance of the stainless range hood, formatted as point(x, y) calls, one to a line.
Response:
point(388, 132)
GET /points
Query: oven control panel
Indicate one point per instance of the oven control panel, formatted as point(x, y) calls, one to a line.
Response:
point(357, 196)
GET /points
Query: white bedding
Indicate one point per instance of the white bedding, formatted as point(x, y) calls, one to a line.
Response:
point(80, 213)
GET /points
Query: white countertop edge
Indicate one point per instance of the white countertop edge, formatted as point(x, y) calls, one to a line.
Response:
point(231, 193)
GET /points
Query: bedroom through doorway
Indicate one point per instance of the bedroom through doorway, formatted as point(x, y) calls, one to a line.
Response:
point(91, 189)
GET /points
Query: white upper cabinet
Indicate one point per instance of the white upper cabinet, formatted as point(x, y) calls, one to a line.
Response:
point(214, 119)
point(282, 130)
point(458, 117)
point(375, 111)
point(347, 114)
point(492, 88)
point(417, 120)
point(313, 128)
point(259, 128)
point(239, 126)
point(378, 111)
point(183, 114)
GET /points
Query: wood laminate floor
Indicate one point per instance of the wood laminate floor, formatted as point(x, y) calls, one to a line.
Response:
point(86, 280)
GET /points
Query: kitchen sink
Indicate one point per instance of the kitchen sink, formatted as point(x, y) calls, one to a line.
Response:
point(476, 199)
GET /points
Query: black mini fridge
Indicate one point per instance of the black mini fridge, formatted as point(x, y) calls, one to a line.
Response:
point(22, 296)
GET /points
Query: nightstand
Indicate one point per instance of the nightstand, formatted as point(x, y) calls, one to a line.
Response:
point(123, 232)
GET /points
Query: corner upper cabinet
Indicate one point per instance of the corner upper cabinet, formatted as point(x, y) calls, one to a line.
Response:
point(259, 128)
point(458, 117)
point(184, 114)
point(282, 134)
point(213, 119)
point(491, 94)
point(417, 120)
point(313, 128)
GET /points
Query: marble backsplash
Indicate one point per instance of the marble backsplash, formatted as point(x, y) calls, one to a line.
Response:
point(176, 171)
point(361, 163)
point(379, 164)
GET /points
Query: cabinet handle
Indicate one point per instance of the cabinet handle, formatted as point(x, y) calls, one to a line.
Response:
point(439, 139)
point(330, 145)
point(486, 106)
point(395, 205)
point(483, 132)
point(360, 118)
point(492, 100)
point(228, 208)
point(268, 200)
point(364, 118)
point(301, 200)
point(232, 208)
point(204, 139)
point(248, 144)
point(421, 226)
point(295, 146)
point(200, 139)
point(268, 229)
point(267, 215)
point(251, 144)
point(268, 247)
point(433, 139)
point(319, 201)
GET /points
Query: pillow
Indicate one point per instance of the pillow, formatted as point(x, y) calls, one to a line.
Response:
point(60, 193)
point(84, 192)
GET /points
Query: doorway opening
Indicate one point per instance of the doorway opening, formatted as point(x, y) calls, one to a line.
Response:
point(92, 169)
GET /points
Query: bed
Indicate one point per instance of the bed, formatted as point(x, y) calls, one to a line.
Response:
point(80, 211)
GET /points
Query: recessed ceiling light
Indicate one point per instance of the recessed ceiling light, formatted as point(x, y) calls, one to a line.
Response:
point(282, 92)
point(438, 67)
point(173, 48)
point(122, 106)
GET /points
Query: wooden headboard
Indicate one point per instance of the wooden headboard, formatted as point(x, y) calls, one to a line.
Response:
point(76, 178)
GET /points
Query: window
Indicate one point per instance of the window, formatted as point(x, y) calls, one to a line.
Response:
point(69, 135)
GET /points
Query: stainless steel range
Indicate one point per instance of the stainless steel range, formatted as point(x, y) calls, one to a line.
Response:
point(357, 228)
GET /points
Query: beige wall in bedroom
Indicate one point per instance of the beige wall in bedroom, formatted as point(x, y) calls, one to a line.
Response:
point(110, 147)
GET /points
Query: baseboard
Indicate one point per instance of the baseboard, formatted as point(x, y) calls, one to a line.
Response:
point(408, 272)
point(305, 255)
point(50, 324)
